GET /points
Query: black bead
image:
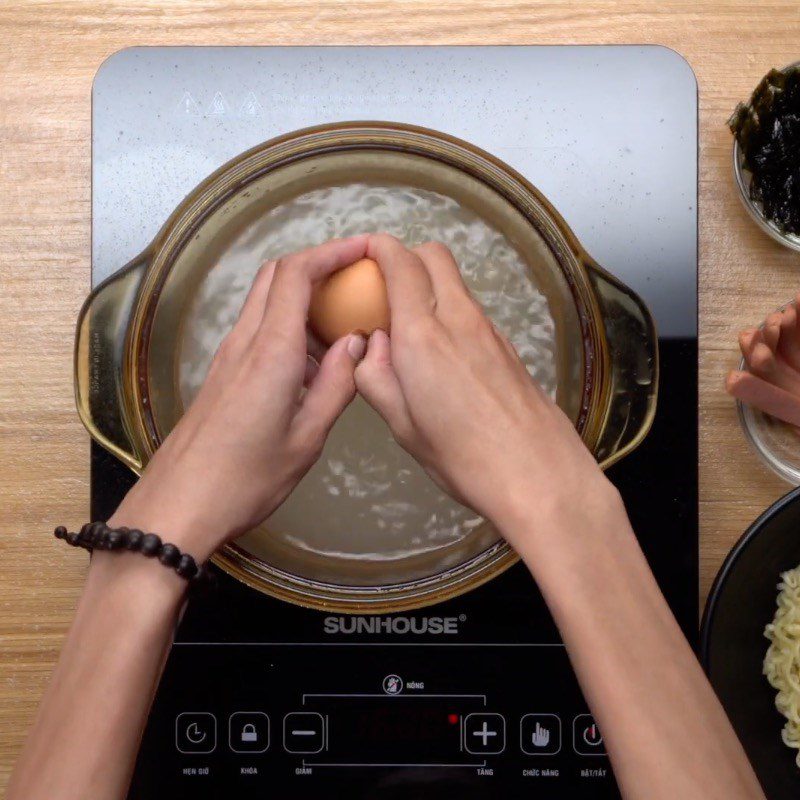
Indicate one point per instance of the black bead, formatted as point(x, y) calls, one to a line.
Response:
point(187, 567)
point(134, 539)
point(204, 581)
point(94, 531)
point(151, 544)
point(170, 555)
point(115, 540)
point(208, 575)
point(97, 535)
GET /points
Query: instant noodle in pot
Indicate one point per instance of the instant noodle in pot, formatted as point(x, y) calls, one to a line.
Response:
point(366, 499)
point(144, 338)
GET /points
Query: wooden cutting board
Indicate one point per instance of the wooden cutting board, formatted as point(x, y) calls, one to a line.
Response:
point(49, 52)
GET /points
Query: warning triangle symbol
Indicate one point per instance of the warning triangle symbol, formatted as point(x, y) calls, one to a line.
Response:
point(218, 105)
point(187, 104)
point(250, 107)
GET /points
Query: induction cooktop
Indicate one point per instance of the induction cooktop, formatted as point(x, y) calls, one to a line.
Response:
point(475, 695)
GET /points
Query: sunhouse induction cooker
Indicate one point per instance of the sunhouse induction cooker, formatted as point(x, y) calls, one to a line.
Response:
point(476, 695)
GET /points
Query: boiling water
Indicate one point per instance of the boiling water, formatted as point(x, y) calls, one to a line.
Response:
point(366, 498)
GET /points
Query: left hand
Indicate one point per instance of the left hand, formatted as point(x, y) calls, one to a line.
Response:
point(251, 433)
point(456, 396)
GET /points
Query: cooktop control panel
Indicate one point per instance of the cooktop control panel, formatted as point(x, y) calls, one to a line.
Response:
point(320, 718)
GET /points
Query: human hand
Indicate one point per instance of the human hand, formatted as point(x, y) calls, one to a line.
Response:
point(771, 353)
point(251, 433)
point(456, 396)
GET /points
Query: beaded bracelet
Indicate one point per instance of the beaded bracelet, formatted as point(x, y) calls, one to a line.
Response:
point(98, 536)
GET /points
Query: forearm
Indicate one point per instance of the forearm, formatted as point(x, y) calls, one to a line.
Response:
point(664, 729)
point(88, 727)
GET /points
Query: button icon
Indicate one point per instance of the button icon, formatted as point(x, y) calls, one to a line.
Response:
point(540, 734)
point(196, 732)
point(392, 684)
point(586, 737)
point(303, 732)
point(484, 734)
point(248, 732)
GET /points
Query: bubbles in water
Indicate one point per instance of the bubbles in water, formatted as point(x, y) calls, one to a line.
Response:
point(366, 498)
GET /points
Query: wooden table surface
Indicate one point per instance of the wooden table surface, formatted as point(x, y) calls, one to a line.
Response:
point(49, 52)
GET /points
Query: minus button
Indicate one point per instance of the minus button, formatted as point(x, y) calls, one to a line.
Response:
point(303, 732)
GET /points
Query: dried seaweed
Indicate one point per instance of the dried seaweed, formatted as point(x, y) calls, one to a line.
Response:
point(768, 131)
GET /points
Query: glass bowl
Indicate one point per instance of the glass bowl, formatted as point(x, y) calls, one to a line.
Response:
point(776, 442)
point(743, 178)
point(754, 209)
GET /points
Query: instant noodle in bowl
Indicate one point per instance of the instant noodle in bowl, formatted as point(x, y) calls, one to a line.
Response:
point(782, 662)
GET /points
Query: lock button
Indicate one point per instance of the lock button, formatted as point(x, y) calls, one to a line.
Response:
point(248, 732)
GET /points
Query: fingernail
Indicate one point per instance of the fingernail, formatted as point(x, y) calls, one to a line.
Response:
point(356, 346)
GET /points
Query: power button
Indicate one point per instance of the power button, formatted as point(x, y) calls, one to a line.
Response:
point(586, 737)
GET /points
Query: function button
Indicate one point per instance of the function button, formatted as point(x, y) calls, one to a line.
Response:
point(485, 734)
point(196, 732)
point(303, 732)
point(540, 734)
point(248, 732)
point(586, 737)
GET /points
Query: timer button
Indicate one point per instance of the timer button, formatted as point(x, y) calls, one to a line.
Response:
point(586, 737)
point(485, 734)
point(303, 732)
point(196, 732)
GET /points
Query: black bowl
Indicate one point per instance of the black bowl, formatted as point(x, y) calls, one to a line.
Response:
point(732, 643)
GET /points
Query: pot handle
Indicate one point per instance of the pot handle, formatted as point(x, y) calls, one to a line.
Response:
point(100, 353)
point(633, 348)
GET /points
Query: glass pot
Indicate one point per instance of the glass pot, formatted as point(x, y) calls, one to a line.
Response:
point(127, 345)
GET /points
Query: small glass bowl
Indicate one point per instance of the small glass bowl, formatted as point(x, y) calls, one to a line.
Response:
point(743, 178)
point(777, 443)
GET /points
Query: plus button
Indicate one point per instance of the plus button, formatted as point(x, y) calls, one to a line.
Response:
point(485, 733)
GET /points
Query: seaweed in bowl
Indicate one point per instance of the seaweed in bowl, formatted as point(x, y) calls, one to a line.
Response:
point(767, 130)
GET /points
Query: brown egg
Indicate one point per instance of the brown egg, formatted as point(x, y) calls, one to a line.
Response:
point(351, 299)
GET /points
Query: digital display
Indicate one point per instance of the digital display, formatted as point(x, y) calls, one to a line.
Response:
point(398, 730)
point(401, 725)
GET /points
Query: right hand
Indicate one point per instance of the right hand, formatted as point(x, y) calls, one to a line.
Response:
point(251, 433)
point(457, 397)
